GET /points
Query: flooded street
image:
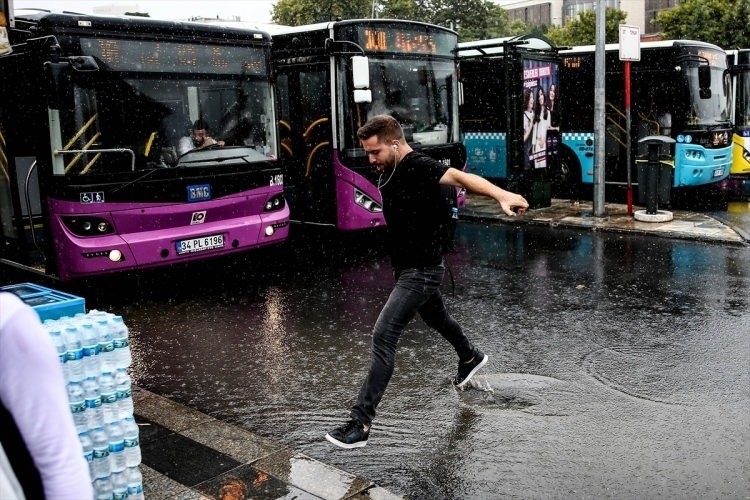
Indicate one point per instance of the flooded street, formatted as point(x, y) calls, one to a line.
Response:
point(618, 363)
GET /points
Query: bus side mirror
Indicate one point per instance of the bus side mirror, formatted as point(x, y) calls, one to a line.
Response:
point(362, 95)
point(704, 81)
point(360, 72)
point(60, 83)
point(83, 63)
point(361, 79)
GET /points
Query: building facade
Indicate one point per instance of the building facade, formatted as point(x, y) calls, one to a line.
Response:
point(557, 12)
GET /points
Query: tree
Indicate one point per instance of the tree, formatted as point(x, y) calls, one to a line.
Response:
point(472, 19)
point(582, 31)
point(721, 22)
point(299, 12)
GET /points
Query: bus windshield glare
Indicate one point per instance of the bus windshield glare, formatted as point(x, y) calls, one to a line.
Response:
point(708, 109)
point(418, 93)
point(742, 110)
point(148, 105)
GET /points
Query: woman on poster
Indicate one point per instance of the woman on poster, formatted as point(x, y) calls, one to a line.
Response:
point(542, 117)
point(528, 126)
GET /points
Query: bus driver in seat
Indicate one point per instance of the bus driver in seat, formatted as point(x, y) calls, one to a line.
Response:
point(199, 139)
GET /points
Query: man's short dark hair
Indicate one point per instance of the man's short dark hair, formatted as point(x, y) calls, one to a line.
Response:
point(200, 124)
point(385, 127)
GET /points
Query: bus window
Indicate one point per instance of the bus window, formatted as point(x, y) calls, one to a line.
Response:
point(707, 110)
point(416, 93)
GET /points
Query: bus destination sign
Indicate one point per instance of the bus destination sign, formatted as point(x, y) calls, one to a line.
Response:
point(405, 41)
point(151, 56)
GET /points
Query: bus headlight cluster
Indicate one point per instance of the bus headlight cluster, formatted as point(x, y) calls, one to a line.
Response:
point(694, 154)
point(366, 202)
point(276, 202)
point(88, 225)
point(687, 138)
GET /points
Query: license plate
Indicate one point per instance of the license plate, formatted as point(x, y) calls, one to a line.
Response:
point(200, 244)
point(718, 172)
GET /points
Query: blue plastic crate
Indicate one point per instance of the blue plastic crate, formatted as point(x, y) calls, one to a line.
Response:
point(48, 303)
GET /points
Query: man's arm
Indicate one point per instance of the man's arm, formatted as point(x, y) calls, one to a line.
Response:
point(511, 203)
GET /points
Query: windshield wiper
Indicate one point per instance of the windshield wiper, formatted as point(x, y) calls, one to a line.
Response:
point(136, 180)
point(217, 160)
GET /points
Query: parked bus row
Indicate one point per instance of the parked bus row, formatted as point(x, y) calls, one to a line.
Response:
point(96, 110)
point(95, 176)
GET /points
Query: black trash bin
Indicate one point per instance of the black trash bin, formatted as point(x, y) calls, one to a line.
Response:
point(655, 173)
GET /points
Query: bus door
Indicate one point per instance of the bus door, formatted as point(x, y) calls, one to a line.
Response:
point(482, 115)
point(306, 141)
point(22, 233)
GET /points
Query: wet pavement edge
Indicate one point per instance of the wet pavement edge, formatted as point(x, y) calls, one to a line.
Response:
point(562, 213)
point(187, 454)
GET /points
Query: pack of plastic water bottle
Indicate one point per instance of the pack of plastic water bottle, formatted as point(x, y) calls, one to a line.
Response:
point(94, 350)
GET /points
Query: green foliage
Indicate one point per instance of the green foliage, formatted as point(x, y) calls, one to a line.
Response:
point(299, 12)
point(582, 31)
point(472, 19)
point(721, 22)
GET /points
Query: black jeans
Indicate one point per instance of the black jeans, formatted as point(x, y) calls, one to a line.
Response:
point(416, 291)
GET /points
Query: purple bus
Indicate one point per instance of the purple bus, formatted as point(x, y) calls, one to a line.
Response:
point(100, 167)
point(331, 77)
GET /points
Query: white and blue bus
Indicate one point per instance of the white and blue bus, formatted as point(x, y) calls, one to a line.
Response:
point(679, 89)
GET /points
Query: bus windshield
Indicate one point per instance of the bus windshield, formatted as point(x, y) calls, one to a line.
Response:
point(708, 109)
point(742, 108)
point(153, 114)
point(418, 93)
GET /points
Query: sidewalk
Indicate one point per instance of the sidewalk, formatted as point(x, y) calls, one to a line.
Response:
point(684, 225)
point(187, 454)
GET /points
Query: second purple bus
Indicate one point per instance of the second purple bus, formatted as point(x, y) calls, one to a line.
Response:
point(331, 78)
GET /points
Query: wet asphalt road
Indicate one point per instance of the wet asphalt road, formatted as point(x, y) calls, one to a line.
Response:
point(618, 364)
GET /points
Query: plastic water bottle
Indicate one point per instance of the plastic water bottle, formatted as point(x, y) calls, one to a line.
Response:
point(74, 352)
point(132, 442)
point(90, 344)
point(135, 483)
point(124, 393)
point(109, 397)
point(122, 355)
point(77, 405)
point(100, 465)
point(106, 344)
point(93, 398)
point(116, 447)
point(119, 485)
point(59, 342)
point(102, 488)
point(88, 450)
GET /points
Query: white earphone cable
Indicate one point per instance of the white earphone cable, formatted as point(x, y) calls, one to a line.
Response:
point(395, 164)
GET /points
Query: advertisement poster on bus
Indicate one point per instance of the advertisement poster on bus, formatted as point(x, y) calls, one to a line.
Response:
point(5, 15)
point(541, 115)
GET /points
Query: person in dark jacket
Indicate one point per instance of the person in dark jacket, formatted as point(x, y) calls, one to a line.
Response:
point(410, 184)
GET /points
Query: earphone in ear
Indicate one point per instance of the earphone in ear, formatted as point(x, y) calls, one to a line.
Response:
point(395, 147)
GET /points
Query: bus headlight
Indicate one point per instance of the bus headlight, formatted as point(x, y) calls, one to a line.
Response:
point(366, 202)
point(115, 255)
point(276, 202)
point(88, 225)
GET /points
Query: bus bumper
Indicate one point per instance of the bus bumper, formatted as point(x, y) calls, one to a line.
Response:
point(698, 165)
